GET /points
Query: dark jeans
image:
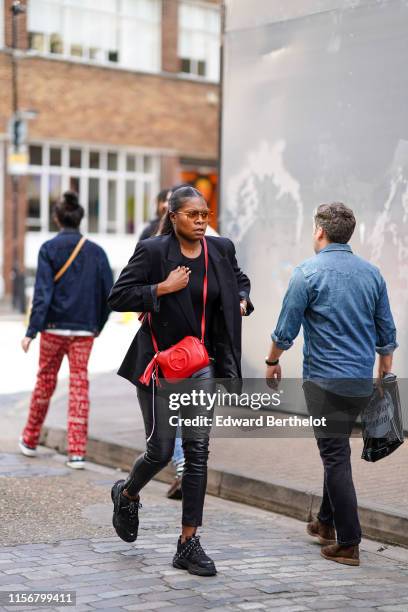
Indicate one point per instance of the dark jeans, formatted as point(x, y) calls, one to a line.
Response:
point(160, 438)
point(339, 503)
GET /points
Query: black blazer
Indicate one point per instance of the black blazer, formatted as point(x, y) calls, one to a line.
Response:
point(172, 314)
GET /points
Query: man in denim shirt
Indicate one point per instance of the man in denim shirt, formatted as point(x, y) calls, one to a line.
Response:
point(342, 303)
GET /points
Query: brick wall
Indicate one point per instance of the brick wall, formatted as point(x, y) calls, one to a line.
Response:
point(91, 104)
point(102, 105)
point(22, 25)
point(5, 91)
point(170, 60)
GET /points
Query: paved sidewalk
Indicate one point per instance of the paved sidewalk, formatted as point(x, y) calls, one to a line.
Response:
point(56, 534)
point(279, 474)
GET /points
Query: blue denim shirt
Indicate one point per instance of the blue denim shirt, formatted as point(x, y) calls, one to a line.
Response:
point(78, 301)
point(341, 300)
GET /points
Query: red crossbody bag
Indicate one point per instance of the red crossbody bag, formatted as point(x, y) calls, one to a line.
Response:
point(184, 358)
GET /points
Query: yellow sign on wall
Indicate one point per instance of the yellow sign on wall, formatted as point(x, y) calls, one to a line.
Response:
point(17, 161)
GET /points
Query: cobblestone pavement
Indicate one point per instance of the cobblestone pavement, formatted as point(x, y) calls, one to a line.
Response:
point(290, 461)
point(56, 535)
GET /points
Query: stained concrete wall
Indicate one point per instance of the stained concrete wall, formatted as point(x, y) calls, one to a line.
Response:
point(314, 110)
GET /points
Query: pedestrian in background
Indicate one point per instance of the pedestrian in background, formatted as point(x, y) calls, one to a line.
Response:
point(341, 300)
point(172, 278)
point(72, 284)
point(162, 202)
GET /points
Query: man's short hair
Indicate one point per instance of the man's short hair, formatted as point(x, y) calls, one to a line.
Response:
point(337, 220)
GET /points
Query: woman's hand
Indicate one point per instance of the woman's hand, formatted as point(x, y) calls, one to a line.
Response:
point(176, 281)
point(243, 304)
point(25, 343)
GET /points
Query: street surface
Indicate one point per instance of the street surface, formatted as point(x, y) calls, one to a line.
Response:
point(56, 534)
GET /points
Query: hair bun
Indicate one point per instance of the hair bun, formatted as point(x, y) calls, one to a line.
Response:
point(71, 200)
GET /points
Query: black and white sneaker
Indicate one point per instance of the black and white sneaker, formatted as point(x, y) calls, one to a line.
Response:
point(125, 513)
point(191, 557)
point(25, 449)
point(75, 462)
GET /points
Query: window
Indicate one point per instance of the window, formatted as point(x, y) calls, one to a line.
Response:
point(93, 205)
point(54, 193)
point(130, 207)
point(55, 156)
point(94, 159)
point(140, 34)
point(112, 161)
point(45, 21)
point(74, 184)
point(112, 210)
point(34, 203)
point(116, 187)
point(123, 32)
point(147, 202)
point(35, 156)
point(75, 158)
point(199, 40)
point(130, 163)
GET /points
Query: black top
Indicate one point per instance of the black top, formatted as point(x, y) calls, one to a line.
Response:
point(195, 287)
point(172, 314)
point(151, 229)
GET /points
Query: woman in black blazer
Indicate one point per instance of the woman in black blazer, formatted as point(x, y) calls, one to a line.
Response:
point(165, 277)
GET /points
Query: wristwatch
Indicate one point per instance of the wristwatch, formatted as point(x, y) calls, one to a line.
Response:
point(271, 363)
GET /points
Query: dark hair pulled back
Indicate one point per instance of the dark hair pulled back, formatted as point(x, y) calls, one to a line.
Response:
point(178, 198)
point(68, 210)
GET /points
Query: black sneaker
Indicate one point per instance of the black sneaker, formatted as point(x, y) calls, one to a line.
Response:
point(191, 557)
point(125, 513)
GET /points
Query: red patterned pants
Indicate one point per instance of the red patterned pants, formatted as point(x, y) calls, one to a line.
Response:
point(52, 351)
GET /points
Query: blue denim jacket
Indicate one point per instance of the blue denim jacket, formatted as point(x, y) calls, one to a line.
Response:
point(78, 301)
point(341, 300)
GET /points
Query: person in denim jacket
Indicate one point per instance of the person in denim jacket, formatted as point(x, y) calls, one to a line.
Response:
point(341, 302)
point(69, 312)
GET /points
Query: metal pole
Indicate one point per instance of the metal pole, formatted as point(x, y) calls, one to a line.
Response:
point(18, 278)
point(15, 12)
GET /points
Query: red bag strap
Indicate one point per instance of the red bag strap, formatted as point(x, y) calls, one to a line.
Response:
point(205, 288)
point(155, 346)
point(205, 291)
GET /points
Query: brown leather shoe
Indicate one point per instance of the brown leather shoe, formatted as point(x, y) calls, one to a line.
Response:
point(175, 489)
point(324, 533)
point(347, 555)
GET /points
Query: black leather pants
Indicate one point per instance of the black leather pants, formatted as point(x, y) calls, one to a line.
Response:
point(160, 438)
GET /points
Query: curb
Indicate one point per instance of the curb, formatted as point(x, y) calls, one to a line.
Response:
point(377, 523)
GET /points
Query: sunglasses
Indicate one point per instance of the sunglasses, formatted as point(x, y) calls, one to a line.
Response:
point(195, 214)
